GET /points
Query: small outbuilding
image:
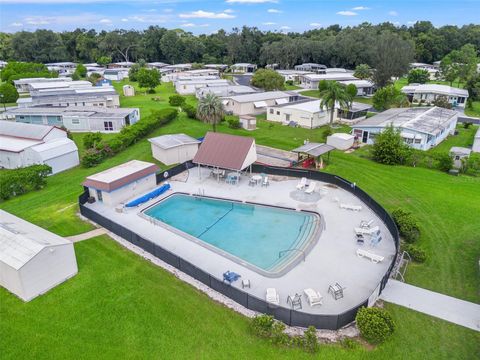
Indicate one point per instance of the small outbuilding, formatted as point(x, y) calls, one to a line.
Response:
point(174, 148)
point(459, 154)
point(128, 90)
point(32, 260)
point(341, 141)
point(248, 122)
point(122, 182)
point(223, 151)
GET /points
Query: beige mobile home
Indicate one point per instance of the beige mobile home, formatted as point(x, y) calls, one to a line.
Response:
point(257, 103)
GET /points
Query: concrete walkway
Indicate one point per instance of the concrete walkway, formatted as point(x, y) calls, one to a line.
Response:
point(87, 235)
point(445, 307)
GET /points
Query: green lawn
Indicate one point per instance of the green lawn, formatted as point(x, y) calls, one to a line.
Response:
point(122, 306)
point(292, 87)
point(464, 139)
point(312, 93)
point(475, 110)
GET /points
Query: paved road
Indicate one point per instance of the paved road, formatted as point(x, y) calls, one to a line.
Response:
point(242, 79)
point(445, 307)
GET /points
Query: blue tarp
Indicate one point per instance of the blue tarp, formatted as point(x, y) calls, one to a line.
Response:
point(149, 196)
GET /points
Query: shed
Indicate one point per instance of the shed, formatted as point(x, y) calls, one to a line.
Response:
point(458, 153)
point(128, 90)
point(248, 122)
point(225, 151)
point(32, 260)
point(311, 154)
point(174, 148)
point(122, 182)
point(341, 141)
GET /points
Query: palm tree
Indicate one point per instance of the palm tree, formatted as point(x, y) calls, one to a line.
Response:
point(210, 110)
point(333, 94)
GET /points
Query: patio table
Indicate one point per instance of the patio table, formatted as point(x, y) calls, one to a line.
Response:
point(257, 179)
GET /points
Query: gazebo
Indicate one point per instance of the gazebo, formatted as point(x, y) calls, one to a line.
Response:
point(311, 153)
point(226, 152)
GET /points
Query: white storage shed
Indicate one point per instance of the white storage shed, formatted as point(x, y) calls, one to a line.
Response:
point(32, 260)
point(341, 141)
point(174, 148)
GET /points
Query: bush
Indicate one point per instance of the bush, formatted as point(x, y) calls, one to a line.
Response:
point(445, 161)
point(91, 139)
point(467, 124)
point(389, 148)
point(176, 100)
point(310, 340)
point(327, 132)
point(92, 157)
point(9, 93)
point(289, 82)
point(417, 254)
point(407, 225)
point(190, 110)
point(20, 181)
point(234, 123)
point(262, 325)
point(375, 324)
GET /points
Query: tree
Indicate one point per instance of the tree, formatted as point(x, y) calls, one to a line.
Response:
point(132, 73)
point(94, 77)
point(332, 94)
point(8, 93)
point(268, 80)
point(389, 147)
point(388, 97)
point(473, 87)
point(418, 76)
point(392, 57)
point(351, 90)
point(363, 71)
point(104, 60)
point(148, 79)
point(442, 101)
point(210, 110)
point(81, 71)
point(461, 64)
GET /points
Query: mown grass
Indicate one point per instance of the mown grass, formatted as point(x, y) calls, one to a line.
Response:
point(121, 306)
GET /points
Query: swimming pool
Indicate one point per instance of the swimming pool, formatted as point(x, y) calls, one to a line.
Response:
point(268, 239)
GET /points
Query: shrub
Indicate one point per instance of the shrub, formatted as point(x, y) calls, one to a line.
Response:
point(375, 324)
point(289, 82)
point(92, 157)
point(190, 110)
point(417, 254)
point(349, 344)
point(389, 147)
point(176, 100)
point(467, 124)
point(327, 132)
point(20, 181)
point(262, 325)
point(445, 161)
point(407, 225)
point(91, 139)
point(234, 123)
point(310, 340)
point(9, 93)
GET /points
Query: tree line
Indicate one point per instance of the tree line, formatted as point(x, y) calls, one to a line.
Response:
point(333, 46)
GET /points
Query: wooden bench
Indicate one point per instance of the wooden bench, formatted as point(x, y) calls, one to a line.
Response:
point(374, 257)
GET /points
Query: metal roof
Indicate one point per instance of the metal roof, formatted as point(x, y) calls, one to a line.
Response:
point(55, 148)
point(260, 96)
point(430, 120)
point(314, 149)
point(20, 240)
point(331, 76)
point(24, 131)
point(434, 89)
point(87, 111)
point(173, 140)
point(224, 151)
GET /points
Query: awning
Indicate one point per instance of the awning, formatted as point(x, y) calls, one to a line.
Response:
point(281, 101)
point(260, 104)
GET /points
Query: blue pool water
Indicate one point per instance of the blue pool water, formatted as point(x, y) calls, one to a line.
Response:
point(259, 235)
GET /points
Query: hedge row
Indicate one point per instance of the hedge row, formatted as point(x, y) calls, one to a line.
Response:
point(129, 135)
point(20, 181)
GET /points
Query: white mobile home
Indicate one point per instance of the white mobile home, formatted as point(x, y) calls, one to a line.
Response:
point(23, 85)
point(257, 103)
point(190, 87)
point(306, 113)
point(428, 93)
point(311, 67)
point(23, 145)
point(190, 74)
point(174, 148)
point(32, 260)
point(293, 75)
point(224, 91)
point(341, 141)
point(122, 182)
point(117, 74)
point(243, 68)
point(77, 118)
point(364, 87)
point(421, 127)
point(311, 81)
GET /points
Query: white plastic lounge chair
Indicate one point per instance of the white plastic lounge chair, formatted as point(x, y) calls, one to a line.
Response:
point(366, 224)
point(369, 231)
point(366, 254)
point(311, 188)
point(265, 181)
point(313, 297)
point(272, 296)
point(351, 207)
point(303, 182)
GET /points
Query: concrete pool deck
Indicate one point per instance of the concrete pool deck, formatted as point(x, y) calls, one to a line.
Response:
point(333, 259)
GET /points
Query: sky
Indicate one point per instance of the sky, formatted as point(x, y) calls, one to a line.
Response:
point(208, 16)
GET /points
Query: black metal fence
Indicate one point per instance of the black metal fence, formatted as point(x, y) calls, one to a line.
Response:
point(288, 316)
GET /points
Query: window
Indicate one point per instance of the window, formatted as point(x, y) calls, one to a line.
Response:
point(271, 111)
point(278, 112)
point(75, 121)
point(418, 141)
point(108, 125)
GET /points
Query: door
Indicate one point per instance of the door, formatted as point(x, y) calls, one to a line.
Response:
point(365, 137)
point(287, 117)
point(99, 195)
